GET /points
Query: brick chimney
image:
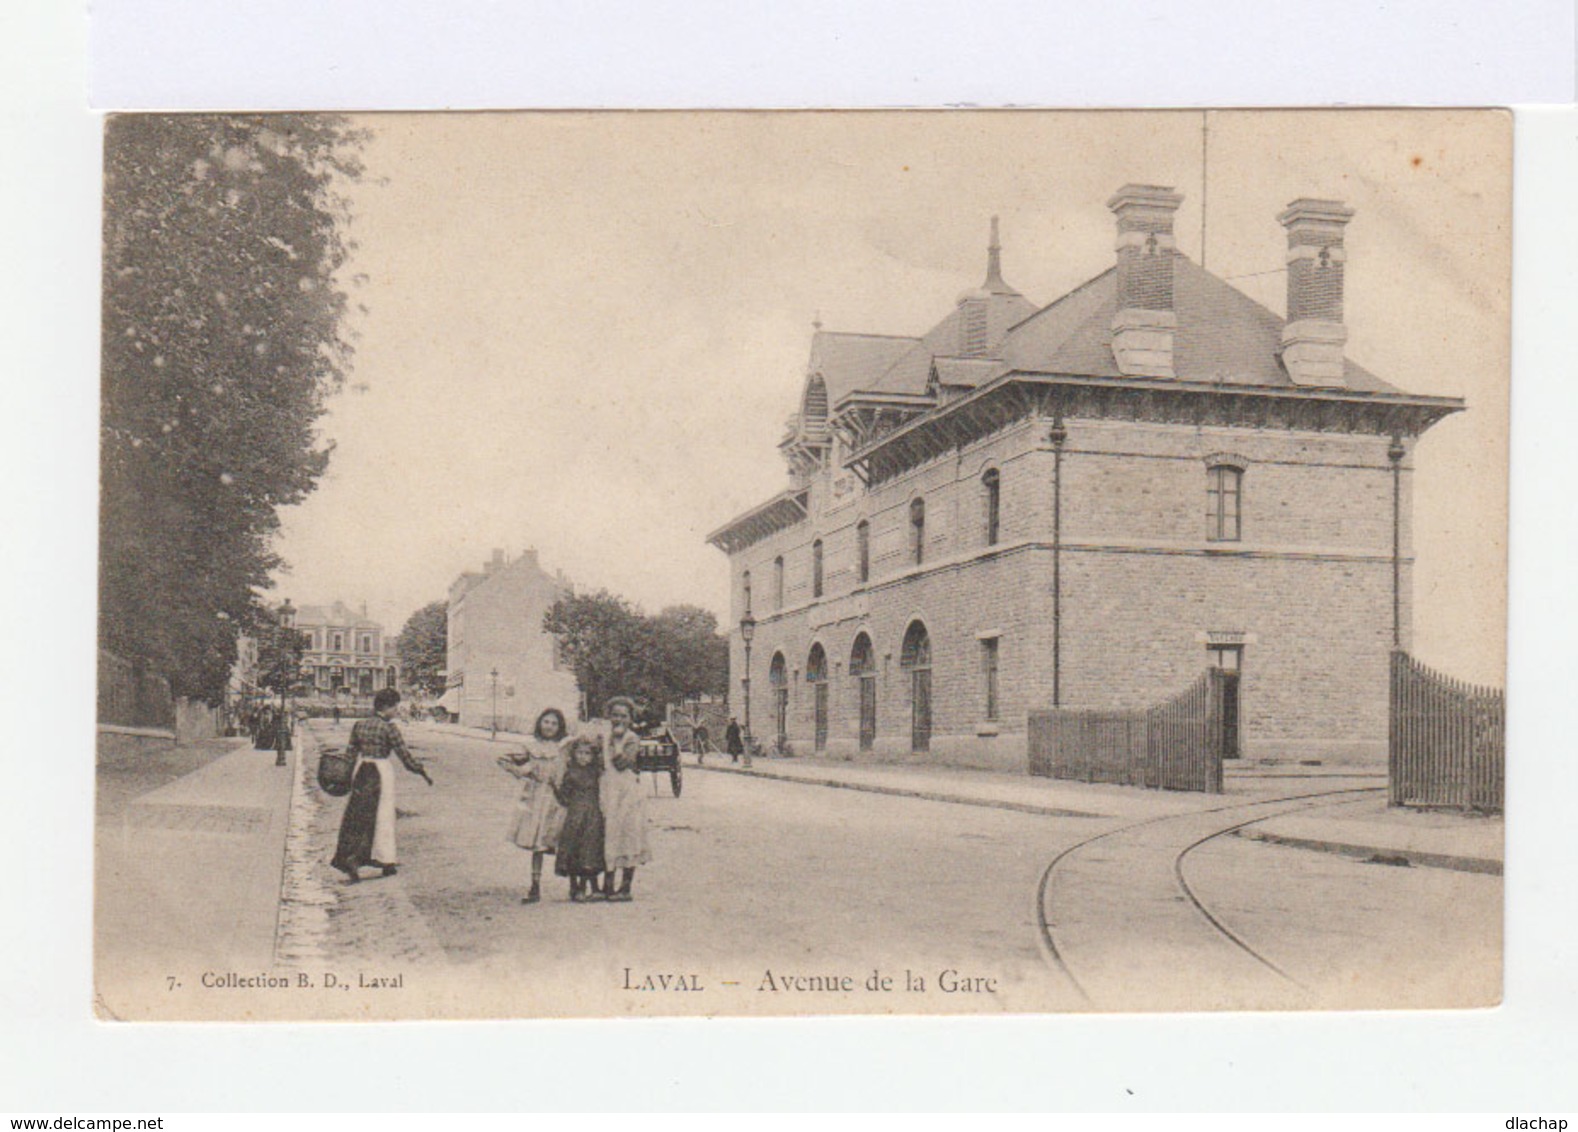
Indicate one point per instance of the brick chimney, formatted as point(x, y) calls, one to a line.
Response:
point(1314, 337)
point(1143, 328)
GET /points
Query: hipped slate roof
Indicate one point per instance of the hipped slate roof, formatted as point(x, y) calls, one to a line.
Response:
point(1223, 336)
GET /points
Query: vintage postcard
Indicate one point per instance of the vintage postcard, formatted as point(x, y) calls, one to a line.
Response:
point(948, 562)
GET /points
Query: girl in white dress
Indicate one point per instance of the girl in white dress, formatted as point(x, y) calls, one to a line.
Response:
point(539, 816)
point(623, 802)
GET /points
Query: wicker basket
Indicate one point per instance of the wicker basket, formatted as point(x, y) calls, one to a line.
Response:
point(335, 768)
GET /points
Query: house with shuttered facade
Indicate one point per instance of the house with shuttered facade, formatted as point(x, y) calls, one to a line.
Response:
point(1087, 503)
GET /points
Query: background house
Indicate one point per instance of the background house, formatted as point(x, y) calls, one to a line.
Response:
point(347, 658)
point(502, 668)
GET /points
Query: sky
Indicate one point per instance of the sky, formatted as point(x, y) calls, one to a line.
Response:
point(583, 332)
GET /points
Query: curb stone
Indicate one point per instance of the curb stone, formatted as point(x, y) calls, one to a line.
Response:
point(1388, 855)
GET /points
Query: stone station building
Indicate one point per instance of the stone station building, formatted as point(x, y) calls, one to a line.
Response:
point(1087, 504)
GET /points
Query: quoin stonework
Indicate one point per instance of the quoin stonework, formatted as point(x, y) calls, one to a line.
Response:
point(1087, 504)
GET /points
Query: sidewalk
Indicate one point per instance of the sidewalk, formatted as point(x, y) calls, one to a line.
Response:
point(188, 877)
point(1370, 830)
point(1365, 828)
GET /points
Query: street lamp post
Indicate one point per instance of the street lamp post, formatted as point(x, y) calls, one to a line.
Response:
point(495, 675)
point(287, 619)
point(747, 633)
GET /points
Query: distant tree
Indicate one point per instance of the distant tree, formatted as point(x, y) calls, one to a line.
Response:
point(615, 649)
point(423, 647)
point(606, 640)
point(689, 656)
point(280, 654)
point(222, 333)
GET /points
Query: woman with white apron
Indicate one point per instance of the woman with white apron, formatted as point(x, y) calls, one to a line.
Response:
point(367, 831)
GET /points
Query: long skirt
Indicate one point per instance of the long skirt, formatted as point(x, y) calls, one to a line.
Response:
point(367, 831)
point(624, 819)
point(580, 842)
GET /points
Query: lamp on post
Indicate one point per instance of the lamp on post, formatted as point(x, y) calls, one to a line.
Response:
point(287, 622)
point(747, 633)
point(495, 675)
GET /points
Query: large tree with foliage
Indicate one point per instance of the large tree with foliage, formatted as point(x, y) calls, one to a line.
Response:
point(615, 649)
point(223, 332)
point(423, 647)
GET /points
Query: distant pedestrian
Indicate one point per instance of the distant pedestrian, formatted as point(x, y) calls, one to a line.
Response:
point(734, 740)
point(624, 803)
point(579, 855)
point(336, 713)
point(282, 730)
point(263, 729)
point(701, 740)
point(367, 831)
point(539, 816)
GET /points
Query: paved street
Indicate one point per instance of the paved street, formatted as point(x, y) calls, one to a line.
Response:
point(749, 877)
point(765, 891)
point(1180, 914)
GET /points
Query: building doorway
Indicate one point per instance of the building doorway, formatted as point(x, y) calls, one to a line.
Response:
point(1229, 661)
point(778, 677)
point(816, 675)
point(916, 660)
point(864, 669)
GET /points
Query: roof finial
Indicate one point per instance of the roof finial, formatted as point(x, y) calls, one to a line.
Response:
point(994, 261)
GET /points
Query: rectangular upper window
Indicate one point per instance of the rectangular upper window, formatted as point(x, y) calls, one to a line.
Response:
point(991, 499)
point(989, 659)
point(1224, 500)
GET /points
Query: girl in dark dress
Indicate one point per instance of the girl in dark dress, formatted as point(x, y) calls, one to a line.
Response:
point(580, 850)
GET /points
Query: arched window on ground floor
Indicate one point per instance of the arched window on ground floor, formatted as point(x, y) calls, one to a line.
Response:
point(863, 670)
point(778, 677)
point(816, 676)
point(915, 659)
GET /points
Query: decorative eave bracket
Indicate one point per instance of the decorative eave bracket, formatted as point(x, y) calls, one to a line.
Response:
point(779, 513)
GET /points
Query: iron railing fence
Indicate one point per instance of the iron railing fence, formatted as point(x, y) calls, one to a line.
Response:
point(1446, 742)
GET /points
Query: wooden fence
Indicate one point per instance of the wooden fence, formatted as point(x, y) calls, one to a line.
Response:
point(1175, 745)
point(1447, 740)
